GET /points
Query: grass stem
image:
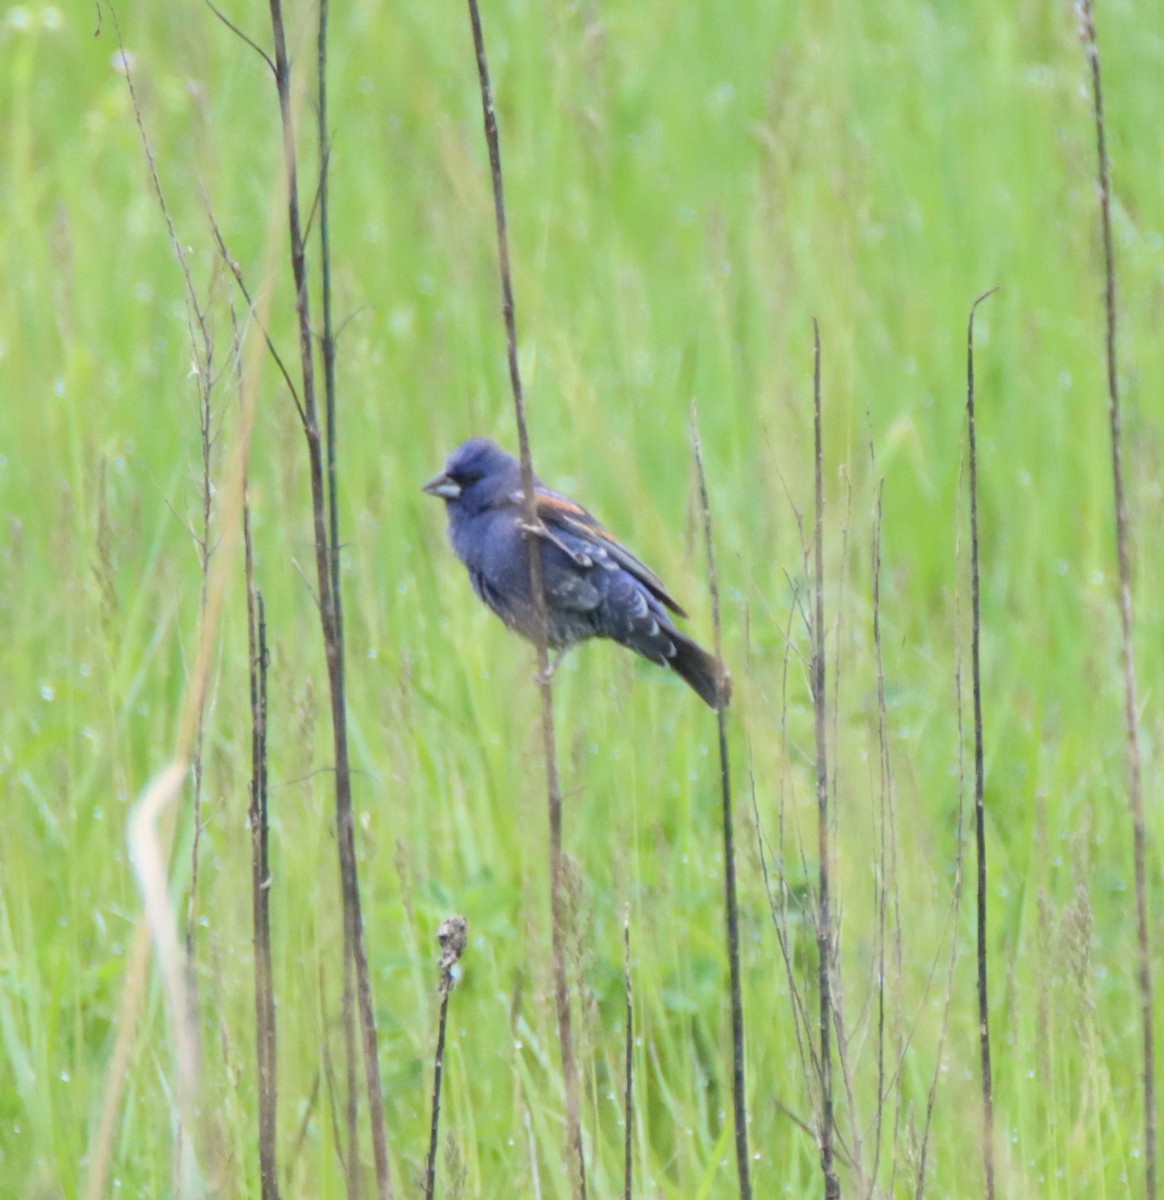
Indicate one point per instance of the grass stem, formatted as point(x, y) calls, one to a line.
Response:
point(265, 1033)
point(1127, 644)
point(330, 614)
point(824, 937)
point(452, 936)
point(979, 771)
point(545, 687)
point(731, 903)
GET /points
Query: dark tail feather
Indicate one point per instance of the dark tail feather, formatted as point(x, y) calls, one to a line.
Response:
point(702, 672)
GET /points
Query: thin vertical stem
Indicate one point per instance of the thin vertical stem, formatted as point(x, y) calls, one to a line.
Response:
point(1127, 649)
point(202, 347)
point(156, 801)
point(203, 367)
point(820, 716)
point(979, 772)
point(434, 1124)
point(452, 936)
point(265, 1033)
point(327, 337)
point(731, 905)
point(533, 551)
point(351, 1160)
point(330, 623)
point(327, 347)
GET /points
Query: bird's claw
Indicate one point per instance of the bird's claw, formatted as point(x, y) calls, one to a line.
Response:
point(552, 666)
point(540, 529)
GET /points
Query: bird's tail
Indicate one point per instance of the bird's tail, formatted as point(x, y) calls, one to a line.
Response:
point(702, 672)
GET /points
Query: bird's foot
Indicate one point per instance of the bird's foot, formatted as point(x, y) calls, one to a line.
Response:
point(577, 557)
point(551, 668)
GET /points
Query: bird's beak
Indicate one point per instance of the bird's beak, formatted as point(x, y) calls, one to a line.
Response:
point(444, 486)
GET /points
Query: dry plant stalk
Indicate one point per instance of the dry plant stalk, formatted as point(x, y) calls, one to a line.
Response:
point(202, 348)
point(151, 825)
point(535, 529)
point(731, 904)
point(330, 613)
point(265, 1039)
point(327, 334)
point(451, 936)
point(1127, 646)
point(203, 369)
point(351, 1160)
point(824, 937)
point(979, 770)
point(328, 352)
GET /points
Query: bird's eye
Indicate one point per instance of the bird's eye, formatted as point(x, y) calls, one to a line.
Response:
point(467, 478)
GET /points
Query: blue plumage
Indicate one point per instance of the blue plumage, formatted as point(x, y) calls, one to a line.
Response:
point(594, 586)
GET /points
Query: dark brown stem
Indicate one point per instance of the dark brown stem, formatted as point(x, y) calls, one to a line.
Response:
point(452, 936)
point(979, 772)
point(354, 947)
point(533, 551)
point(820, 715)
point(438, 1067)
point(351, 1078)
point(327, 346)
point(236, 271)
point(327, 338)
point(731, 907)
point(265, 1039)
point(242, 37)
point(1127, 649)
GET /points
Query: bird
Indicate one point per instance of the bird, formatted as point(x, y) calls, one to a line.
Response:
point(594, 586)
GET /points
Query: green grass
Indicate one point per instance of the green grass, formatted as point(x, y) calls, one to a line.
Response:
point(688, 186)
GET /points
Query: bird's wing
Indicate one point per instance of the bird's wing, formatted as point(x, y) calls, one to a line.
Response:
point(582, 536)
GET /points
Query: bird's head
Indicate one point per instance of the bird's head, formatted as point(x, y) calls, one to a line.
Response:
point(477, 474)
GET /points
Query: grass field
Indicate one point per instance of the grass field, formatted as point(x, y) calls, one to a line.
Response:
point(688, 186)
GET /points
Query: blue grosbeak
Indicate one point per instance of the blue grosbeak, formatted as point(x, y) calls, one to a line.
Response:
point(594, 586)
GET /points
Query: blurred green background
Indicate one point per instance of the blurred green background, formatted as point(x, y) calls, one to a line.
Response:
point(689, 184)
